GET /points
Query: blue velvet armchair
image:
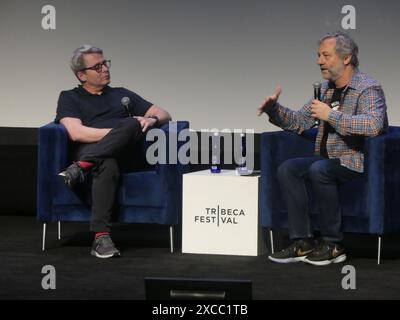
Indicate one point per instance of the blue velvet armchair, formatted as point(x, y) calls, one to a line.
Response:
point(151, 194)
point(368, 205)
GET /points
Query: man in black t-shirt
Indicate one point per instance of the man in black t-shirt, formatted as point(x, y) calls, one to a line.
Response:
point(105, 123)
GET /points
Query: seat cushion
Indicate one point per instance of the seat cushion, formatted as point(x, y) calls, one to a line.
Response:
point(142, 189)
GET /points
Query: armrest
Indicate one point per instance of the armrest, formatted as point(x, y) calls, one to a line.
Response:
point(276, 147)
point(171, 174)
point(171, 130)
point(382, 158)
point(53, 146)
point(52, 158)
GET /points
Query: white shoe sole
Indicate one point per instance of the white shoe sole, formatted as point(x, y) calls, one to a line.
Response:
point(94, 253)
point(338, 259)
point(288, 260)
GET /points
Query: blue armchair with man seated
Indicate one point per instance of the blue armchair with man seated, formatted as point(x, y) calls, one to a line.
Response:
point(149, 194)
point(369, 205)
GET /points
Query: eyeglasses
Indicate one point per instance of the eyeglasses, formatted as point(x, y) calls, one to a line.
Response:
point(99, 67)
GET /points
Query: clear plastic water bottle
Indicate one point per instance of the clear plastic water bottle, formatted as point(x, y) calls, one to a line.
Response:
point(215, 153)
point(242, 169)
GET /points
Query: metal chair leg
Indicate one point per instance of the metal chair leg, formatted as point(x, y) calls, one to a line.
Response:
point(59, 230)
point(44, 237)
point(271, 237)
point(171, 238)
point(379, 250)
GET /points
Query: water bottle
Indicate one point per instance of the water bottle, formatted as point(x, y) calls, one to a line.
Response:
point(242, 169)
point(215, 154)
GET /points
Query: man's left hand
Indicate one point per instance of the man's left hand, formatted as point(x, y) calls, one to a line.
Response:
point(320, 110)
point(146, 123)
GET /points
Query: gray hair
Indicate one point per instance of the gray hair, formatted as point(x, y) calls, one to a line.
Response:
point(345, 46)
point(77, 62)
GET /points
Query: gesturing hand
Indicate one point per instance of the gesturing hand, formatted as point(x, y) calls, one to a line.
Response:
point(269, 101)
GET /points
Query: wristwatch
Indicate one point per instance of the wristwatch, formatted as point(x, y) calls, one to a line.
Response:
point(155, 118)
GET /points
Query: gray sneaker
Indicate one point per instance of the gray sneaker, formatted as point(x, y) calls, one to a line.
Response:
point(103, 247)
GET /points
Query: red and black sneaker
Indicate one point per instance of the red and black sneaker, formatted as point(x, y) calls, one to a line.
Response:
point(72, 175)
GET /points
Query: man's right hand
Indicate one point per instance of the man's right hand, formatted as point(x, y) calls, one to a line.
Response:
point(269, 101)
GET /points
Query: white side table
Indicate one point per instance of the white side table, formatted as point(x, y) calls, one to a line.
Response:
point(220, 214)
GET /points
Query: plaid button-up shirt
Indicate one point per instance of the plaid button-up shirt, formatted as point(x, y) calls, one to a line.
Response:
point(361, 113)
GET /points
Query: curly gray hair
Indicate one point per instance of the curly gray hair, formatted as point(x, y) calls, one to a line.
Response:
point(345, 46)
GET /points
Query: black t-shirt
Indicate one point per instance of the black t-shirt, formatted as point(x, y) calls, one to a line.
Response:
point(99, 111)
point(337, 93)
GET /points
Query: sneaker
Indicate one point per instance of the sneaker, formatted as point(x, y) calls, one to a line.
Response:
point(72, 175)
point(296, 252)
point(103, 247)
point(326, 253)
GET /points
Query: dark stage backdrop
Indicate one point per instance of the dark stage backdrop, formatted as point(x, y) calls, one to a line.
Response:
point(18, 163)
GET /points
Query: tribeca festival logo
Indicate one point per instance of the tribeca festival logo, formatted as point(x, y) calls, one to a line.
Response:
point(49, 20)
point(220, 216)
point(183, 148)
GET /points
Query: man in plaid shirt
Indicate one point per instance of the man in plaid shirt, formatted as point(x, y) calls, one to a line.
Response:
point(352, 107)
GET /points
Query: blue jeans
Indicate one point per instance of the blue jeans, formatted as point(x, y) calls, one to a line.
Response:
point(324, 176)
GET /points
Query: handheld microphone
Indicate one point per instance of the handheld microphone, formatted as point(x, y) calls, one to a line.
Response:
point(126, 102)
point(317, 96)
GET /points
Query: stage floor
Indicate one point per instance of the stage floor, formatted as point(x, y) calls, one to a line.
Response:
point(145, 253)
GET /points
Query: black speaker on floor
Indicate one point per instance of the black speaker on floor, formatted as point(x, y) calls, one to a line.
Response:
point(159, 288)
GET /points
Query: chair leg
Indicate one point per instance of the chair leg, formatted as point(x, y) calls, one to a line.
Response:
point(271, 237)
point(171, 238)
point(379, 250)
point(59, 230)
point(44, 237)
